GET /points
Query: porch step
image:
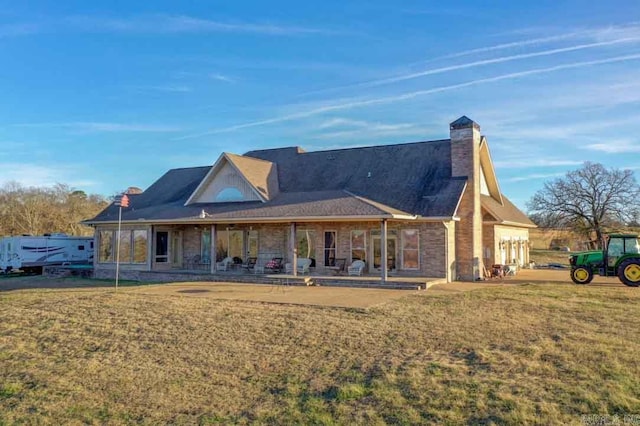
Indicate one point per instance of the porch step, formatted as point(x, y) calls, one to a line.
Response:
point(389, 285)
point(281, 279)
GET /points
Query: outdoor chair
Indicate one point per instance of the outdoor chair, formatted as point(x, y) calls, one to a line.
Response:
point(224, 264)
point(250, 264)
point(274, 265)
point(303, 265)
point(356, 268)
point(338, 266)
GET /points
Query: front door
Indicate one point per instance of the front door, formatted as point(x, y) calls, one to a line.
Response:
point(391, 253)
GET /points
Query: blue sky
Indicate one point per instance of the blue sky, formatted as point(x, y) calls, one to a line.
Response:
point(106, 95)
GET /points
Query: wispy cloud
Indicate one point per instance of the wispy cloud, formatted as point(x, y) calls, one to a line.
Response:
point(164, 88)
point(358, 129)
point(33, 174)
point(412, 95)
point(221, 77)
point(525, 163)
point(533, 176)
point(172, 24)
point(620, 146)
point(21, 29)
point(104, 127)
point(359, 124)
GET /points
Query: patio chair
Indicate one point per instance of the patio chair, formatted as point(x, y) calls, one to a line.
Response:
point(338, 266)
point(356, 268)
point(275, 265)
point(303, 265)
point(250, 264)
point(224, 264)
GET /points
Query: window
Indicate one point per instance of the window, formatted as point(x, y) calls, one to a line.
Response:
point(229, 194)
point(252, 244)
point(80, 247)
point(140, 246)
point(358, 249)
point(330, 238)
point(125, 246)
point(229, 243)
point(133, 246)
point(410, 249)
point(106, 247)
point(205, 245)
point(305, 240)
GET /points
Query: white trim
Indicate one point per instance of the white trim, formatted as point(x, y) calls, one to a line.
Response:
point(464, 189)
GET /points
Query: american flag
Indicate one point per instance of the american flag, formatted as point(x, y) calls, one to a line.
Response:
point(122, 201)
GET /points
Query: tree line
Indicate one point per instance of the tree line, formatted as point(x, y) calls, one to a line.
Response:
point(40, 210)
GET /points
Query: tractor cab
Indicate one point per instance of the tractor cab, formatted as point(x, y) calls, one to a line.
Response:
point(617, 246)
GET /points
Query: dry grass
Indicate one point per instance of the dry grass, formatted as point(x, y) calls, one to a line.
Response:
point(525, 354)
point(544, 257)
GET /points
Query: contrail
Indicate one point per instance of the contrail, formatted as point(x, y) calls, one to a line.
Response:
point(474, 64)
point(411, 95)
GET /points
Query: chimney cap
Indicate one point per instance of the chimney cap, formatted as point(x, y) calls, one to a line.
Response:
point(464, 122)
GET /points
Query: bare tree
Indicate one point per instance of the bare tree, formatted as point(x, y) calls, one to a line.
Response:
point(590, 199)
point(38, 210)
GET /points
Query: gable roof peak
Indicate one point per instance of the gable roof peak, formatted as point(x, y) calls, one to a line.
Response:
point(463, 122)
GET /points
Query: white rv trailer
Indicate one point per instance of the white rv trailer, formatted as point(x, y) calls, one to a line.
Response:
point(30, 253)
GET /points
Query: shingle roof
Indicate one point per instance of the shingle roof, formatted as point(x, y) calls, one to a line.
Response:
point(412, 177)
point(507, 213)
point(405, 179)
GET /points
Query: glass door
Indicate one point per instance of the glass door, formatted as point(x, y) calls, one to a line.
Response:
point(391, 253)
point(162, 247)
point(176, 249)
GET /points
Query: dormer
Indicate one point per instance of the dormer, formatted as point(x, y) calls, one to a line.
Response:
point(235, 178)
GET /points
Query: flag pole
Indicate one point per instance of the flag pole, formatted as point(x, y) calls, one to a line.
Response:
point(118, 246)
point(121, 201)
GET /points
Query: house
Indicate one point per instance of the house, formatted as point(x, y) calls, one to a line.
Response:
point(431, 209)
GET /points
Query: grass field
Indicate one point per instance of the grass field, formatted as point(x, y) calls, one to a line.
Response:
point(544, 257)
point(543, 354)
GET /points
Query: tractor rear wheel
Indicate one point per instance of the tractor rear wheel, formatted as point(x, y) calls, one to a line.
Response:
point(582, 275)
point(629, 272)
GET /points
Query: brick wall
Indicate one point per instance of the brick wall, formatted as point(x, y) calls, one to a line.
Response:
point(465, 161)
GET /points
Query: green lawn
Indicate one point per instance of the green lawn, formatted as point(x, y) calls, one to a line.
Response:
point(518, 354)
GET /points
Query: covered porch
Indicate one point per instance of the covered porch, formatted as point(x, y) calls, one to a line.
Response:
point(381, 249)
point(416, 252)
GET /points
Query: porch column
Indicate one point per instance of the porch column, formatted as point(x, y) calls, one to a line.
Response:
point(383, 251)
point(293, 250)
point(214, 239)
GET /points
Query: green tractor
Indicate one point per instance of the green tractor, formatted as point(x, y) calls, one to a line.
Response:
point(620, 257)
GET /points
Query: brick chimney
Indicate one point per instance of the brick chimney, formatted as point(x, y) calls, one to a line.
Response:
point(465, 162)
